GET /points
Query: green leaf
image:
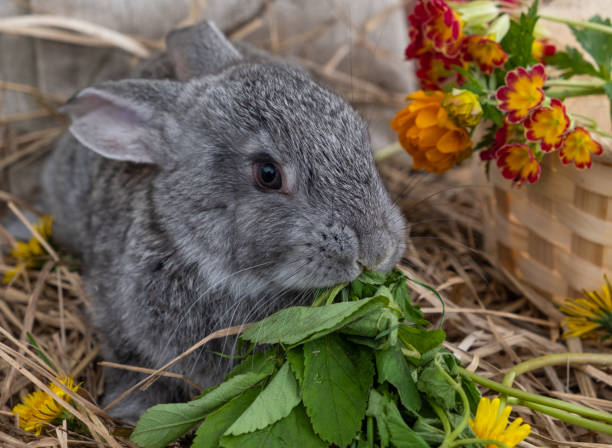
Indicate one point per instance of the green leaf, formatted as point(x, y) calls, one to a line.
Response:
point(209, 433)
point(292, 431)
point(434, 385)
point(401, 433)
point(164, 423)
point(470, 82)
point(274, 403)
point(519, 39)
point(608, 89)
point(294, 325)
point(428, 432)
point(256, 363)
point(39, 351)
point(492, 113)
point(572, 63)
point(472, 392)
point(391, 426)
point(296, 361)
point(373, 278)
point(376, 409)
point(337, 380)
point(422, 340)
point(392, 367)
point(597, 44)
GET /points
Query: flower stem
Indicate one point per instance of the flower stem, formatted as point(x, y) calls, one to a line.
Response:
point(555, 360)
point(483, 441)
point(443, 418)
point(370, 433)
point(592, 125)
point(569, 418)
point(538, 399)
point(450, 438)
point(573, 83)
point(387, 151)
point(568, 92)
point(578, 23)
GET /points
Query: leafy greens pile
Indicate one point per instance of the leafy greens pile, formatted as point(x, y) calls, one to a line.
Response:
point(356, 369)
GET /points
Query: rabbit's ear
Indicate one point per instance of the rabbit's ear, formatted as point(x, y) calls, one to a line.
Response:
point(124, 120)
point(200, 50)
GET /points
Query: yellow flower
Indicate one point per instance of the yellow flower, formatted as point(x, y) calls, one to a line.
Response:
point(425, 131)
point(492, 424)
point(462, 107)
point(591, 315)
point(30, 254)
point(40, 409)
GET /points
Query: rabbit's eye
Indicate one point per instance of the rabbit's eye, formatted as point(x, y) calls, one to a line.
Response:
point(268, 175)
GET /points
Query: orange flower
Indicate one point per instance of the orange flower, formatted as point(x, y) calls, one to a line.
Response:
point(518, 163)
point(542, 49)
point(548, 124)
point(578, 147)
point(428, 135)
point(434, 25)
point(487, 53)
point(522, 92)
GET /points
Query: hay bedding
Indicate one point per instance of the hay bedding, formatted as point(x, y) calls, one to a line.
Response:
point(492, 321)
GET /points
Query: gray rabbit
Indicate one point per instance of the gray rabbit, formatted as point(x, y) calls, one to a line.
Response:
point(214, 197)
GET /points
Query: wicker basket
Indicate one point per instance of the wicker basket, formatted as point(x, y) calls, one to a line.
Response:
point(556, 235)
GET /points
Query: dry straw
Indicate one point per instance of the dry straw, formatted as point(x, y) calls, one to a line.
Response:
point(493, 321)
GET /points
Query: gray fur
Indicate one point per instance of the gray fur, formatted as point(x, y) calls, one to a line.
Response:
point(186, 244)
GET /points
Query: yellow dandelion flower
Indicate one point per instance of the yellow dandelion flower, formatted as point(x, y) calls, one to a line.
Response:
point(30, 254)
point(492, 424)
point(591, 315)
point(40, 409)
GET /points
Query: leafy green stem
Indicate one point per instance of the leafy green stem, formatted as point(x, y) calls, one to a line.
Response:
point(483, 441)
point(555, 360)
point(578, 23)
point(592, 125)
point(573, 83)
point(370, 432)
point(387, 151)
point(567, 92)
point(443, 418)
point(569, 418)
point(537, 399)
point(450, 438)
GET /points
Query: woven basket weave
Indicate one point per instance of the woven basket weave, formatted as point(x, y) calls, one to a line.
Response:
point(556, 235)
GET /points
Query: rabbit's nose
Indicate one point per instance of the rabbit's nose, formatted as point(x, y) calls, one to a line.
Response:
point(376, 251)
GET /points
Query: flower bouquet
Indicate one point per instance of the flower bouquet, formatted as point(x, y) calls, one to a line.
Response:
point(493, 84)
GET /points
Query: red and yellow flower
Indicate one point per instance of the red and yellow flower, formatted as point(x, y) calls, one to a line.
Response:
point(522, 92)
point(578, 146)
point(487, 53)
point(424, 129)
point(542, 49)
point(517, 162)
point(435, 70)
point(434, 26)
point(548, 124)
